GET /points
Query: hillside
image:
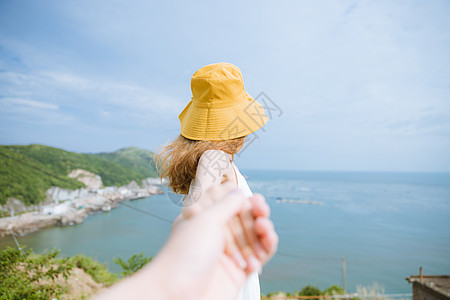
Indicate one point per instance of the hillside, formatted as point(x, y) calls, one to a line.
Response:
point(133, 158)
point(26, 172)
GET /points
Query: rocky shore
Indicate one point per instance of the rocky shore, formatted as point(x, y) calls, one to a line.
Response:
point(68, 207)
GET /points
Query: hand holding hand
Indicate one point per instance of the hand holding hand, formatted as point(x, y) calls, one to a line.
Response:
point(250, 238)
point(200, 260)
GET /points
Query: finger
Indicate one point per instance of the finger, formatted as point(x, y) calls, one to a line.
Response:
point(241, 238)
point(253, 265)
point(270, 243)
point(260, 207)
point(245, 248)
point(247, 222)
point(268, 238)
point(263, 226)
point(248, 225)
point(237, 231)
point(224, 212)
point(232, 251)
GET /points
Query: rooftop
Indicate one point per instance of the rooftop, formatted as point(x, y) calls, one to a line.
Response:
point(438, 283)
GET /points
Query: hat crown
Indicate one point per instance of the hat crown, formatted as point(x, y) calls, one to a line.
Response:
point(217, 85)
point(220, 108)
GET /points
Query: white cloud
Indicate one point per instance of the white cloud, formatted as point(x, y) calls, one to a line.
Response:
point(124, 96)
point(107, 92)
point(65, 79)
point(370, 73)
point(33, 113)
point(16, 104)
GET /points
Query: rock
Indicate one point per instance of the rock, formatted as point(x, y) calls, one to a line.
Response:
point(106, 207)
point(152, 181)
point(109, 190)
point(74, 217)
point(26, 223)
point(14, 206)
point(133, 186)
point(92, 202)
point(125, 192)
point(154, 190)
point(56, 194)
point(91, 180)
point(115, 197)
point(59, 209)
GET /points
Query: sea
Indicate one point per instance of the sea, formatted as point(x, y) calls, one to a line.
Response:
point(369, 229)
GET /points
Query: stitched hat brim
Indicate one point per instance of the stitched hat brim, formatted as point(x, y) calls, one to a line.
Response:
point(216, 124)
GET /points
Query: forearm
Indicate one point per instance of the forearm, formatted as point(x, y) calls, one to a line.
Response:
point(170, 275)
point(145, 284)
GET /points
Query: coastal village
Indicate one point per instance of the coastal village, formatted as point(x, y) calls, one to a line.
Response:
point(65, 207)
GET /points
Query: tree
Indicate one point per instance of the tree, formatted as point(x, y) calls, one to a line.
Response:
point(334, 290)
point(310, 290)
point(133, 264)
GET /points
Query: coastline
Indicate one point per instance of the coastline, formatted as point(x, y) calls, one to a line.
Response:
point(360, 213)
point(64, 207)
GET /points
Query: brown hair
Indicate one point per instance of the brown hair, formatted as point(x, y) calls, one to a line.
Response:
point(178, 160)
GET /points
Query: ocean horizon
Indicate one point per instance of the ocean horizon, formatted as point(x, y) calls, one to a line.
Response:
point(385, 224)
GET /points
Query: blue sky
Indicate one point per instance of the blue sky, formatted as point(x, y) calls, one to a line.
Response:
point(361, 85)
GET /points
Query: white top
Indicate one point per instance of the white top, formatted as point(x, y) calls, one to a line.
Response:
point(251, 289)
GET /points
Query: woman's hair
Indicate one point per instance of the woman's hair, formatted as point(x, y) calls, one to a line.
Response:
point(178, 160)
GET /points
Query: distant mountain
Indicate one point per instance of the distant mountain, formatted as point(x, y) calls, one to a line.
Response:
point(26, 172)
point(133, 158)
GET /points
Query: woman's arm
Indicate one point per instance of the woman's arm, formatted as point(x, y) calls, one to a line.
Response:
point(214, 167)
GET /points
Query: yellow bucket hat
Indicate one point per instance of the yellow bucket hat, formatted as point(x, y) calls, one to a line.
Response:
point(220, 108)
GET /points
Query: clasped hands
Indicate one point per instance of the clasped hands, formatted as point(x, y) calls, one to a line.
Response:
point(249, 239)
point(211, 252)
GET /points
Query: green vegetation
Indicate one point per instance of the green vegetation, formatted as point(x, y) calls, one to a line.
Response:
point(310, 290)
point(334, 290)
point(25, 180)
point(133, 158)
point(133, 264)
point(26, 172)
point(99, 272)
point(25, 275)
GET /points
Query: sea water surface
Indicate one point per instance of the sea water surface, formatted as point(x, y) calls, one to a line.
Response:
point(386, 225)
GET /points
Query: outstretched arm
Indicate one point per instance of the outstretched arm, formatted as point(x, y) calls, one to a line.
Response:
point(192, 265)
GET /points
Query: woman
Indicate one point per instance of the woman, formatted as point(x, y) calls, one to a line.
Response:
point(214, 125)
